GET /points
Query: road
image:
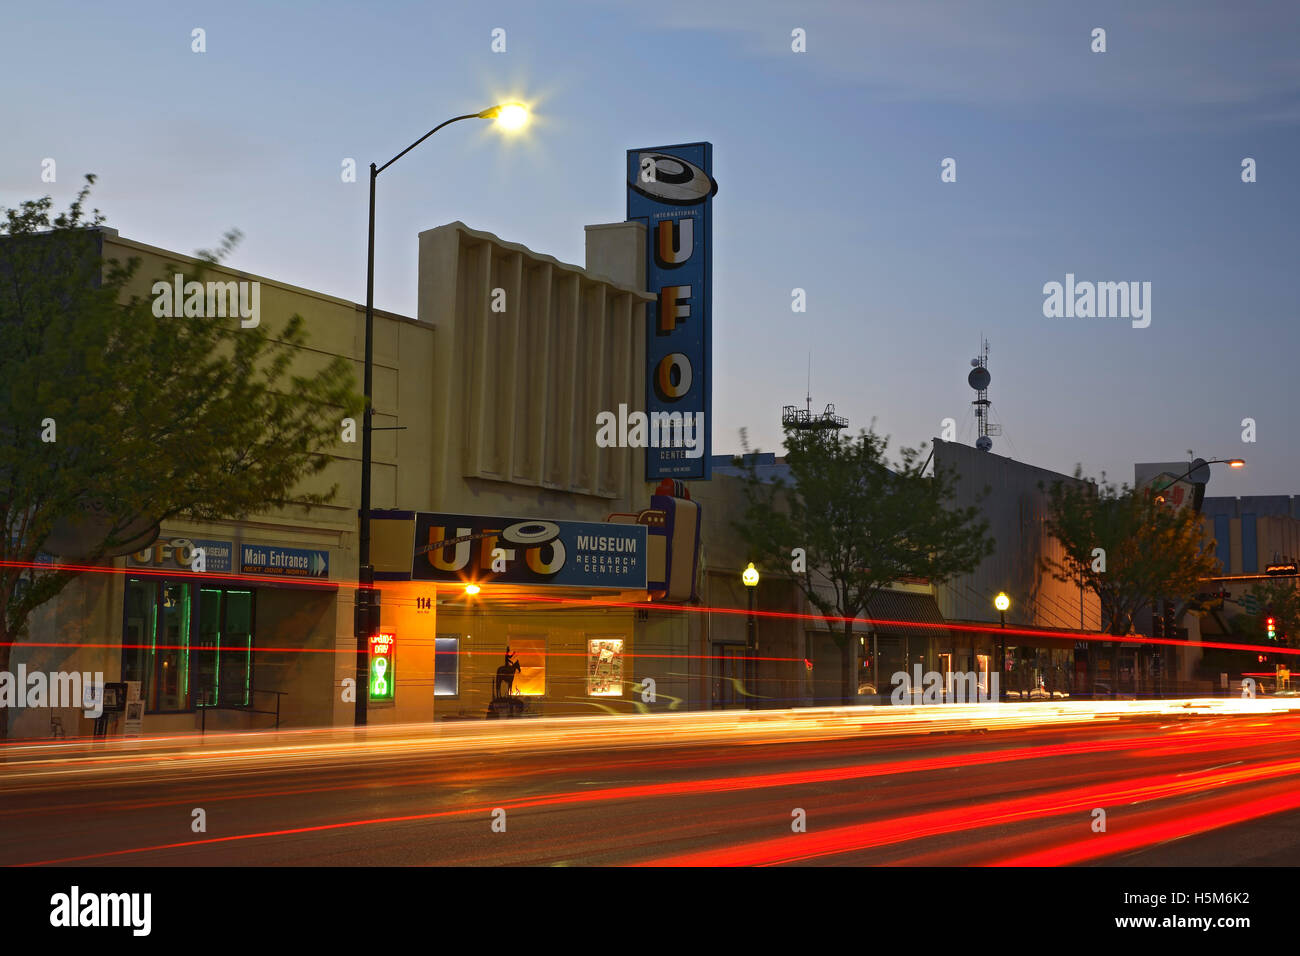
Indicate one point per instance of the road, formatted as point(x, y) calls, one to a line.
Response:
point(1016, 785)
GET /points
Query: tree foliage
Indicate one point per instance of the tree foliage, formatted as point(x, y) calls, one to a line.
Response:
point(1148, 551)
point(1278, 599)
point(863, 523)
point(153, 418)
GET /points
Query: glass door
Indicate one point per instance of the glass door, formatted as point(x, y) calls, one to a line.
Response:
point(156, 634)
point(172, 671)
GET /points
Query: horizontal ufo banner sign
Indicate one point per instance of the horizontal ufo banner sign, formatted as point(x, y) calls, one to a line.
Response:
point(530, 551)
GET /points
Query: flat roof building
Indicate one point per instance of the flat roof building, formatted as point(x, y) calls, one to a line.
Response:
point(488, 405)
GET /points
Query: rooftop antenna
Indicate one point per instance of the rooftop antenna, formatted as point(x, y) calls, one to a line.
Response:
point(979, 379)
point(808, 398)
point(803, 419)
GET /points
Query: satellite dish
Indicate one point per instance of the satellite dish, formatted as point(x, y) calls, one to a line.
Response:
point(1200, 473)
point(80, 534)
point(984, 443)
point(979, 378)
point(974, 363)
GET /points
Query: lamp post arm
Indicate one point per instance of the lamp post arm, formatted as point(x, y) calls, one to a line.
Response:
point(454, 119)
point(1212, 461)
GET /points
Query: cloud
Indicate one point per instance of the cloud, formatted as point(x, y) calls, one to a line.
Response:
point(1175, 54)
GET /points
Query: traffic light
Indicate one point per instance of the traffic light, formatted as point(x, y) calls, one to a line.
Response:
point(1157, 625)
point(1271, 624)
point(1171, 631)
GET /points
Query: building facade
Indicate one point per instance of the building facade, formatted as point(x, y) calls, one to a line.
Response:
point(486, 410)
point(1013, 497)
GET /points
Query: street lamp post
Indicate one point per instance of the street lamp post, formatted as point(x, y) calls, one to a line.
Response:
point(509, 116)
point(750, 577)
point(1002, 602)
point(1198, 465)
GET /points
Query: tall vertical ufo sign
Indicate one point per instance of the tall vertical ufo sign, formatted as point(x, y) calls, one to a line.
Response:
point(670, 190)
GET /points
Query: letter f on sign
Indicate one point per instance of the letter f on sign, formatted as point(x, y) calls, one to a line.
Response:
point(669, 308)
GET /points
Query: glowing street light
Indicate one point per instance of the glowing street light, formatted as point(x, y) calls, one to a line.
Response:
point(510, 116)
point(1002, 603)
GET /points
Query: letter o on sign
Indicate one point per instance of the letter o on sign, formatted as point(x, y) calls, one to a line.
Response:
point(664, 376)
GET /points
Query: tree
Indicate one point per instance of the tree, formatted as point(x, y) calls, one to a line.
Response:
point(862, 523)
point(1278, 599)
point(1125, 546)
point(108, 408)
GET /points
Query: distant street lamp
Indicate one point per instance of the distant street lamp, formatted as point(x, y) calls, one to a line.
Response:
point(1201, 466)
point(1199, 463)
point(509, 116)
point(1002, 602)
point(750, 577)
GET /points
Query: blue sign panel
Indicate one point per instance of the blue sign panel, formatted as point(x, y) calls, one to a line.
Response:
point(218, 556)
point(670, 189)
point(529, 551)
point(178, 552)
point(284, 562)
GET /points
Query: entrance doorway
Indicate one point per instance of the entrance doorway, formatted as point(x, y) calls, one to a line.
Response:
point(727, 676)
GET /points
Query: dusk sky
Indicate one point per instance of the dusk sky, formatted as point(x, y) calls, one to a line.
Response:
point(1117, 166)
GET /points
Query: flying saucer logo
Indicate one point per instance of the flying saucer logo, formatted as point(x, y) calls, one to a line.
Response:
point(671, 179)
point(451, 553)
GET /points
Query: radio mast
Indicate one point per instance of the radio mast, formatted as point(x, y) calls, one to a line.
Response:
point(979, 379)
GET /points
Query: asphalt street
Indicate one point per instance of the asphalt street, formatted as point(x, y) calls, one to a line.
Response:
point(1199, 789)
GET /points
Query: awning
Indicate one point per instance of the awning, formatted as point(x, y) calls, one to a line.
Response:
point(897, 614)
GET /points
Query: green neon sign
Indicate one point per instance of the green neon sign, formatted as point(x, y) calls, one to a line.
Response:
point(383, 679)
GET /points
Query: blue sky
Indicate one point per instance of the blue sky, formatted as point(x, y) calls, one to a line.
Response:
point(1115, 166)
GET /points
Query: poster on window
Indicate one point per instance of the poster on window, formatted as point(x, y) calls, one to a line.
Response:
point(605, 667)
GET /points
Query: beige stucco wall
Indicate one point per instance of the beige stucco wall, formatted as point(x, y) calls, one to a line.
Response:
point(497, 412)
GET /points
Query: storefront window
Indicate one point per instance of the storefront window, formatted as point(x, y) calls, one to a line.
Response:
point(207, 648)
point(138, 631)
point(605, 667)
point(188, 646)
point(531, 679)
point(235, 663)
point(171, 674)
point(446, 665)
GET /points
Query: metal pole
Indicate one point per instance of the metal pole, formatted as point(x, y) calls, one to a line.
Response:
point(1002, 655)
point(366, 573)
point(366, 595)
point(752, 645)
point(875, 663)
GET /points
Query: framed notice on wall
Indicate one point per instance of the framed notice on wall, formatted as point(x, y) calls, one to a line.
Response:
point(605, 667)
